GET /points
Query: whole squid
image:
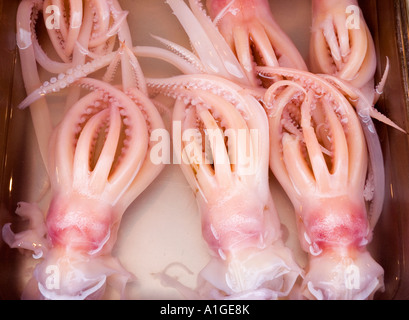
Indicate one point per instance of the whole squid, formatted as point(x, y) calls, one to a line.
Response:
point(98, 164)
point(320, 157)
point(98, 160)
point(223, 151)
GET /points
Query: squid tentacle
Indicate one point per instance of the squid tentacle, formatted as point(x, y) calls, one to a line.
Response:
point(184, 54)
point(99, 159)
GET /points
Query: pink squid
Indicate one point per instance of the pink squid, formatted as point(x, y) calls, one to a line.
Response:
point(214, 50)
point(88, 26)
point(343, 51)
point(341, 43)
point(320, 157)
point(98, 162)
point(216, 107)
point(242, 35)
point(254, 36)
point(223, 152)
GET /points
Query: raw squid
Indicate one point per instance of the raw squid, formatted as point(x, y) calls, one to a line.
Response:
point(341, 43)
point(253, 34)
point(98, 164)
point(242, 34)
point(223, 153)
point(91, 25)
point(226, 165)
point(212, 53)
point(319, 155)
point(342, 49)
point(98, 158)
point(326, 156)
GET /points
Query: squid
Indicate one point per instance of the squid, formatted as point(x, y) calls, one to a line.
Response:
point(241, 35)
point(319, 154)
point(254, 36)
point(73, 28)
point(341, 43)
point(98, 162)
point(223, 153)
point(343, 51)
point(220, 120)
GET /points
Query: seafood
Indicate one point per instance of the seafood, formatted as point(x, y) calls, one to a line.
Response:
point(253, 34)
point(341, 43)
point(342, 49)
point(243, 34)
point(319, 155)
point(226, 166)
point(223, 153)
point(98, 163)
point(212, 56)
point(327, 157)
point(212, 53)
point(91, 26)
